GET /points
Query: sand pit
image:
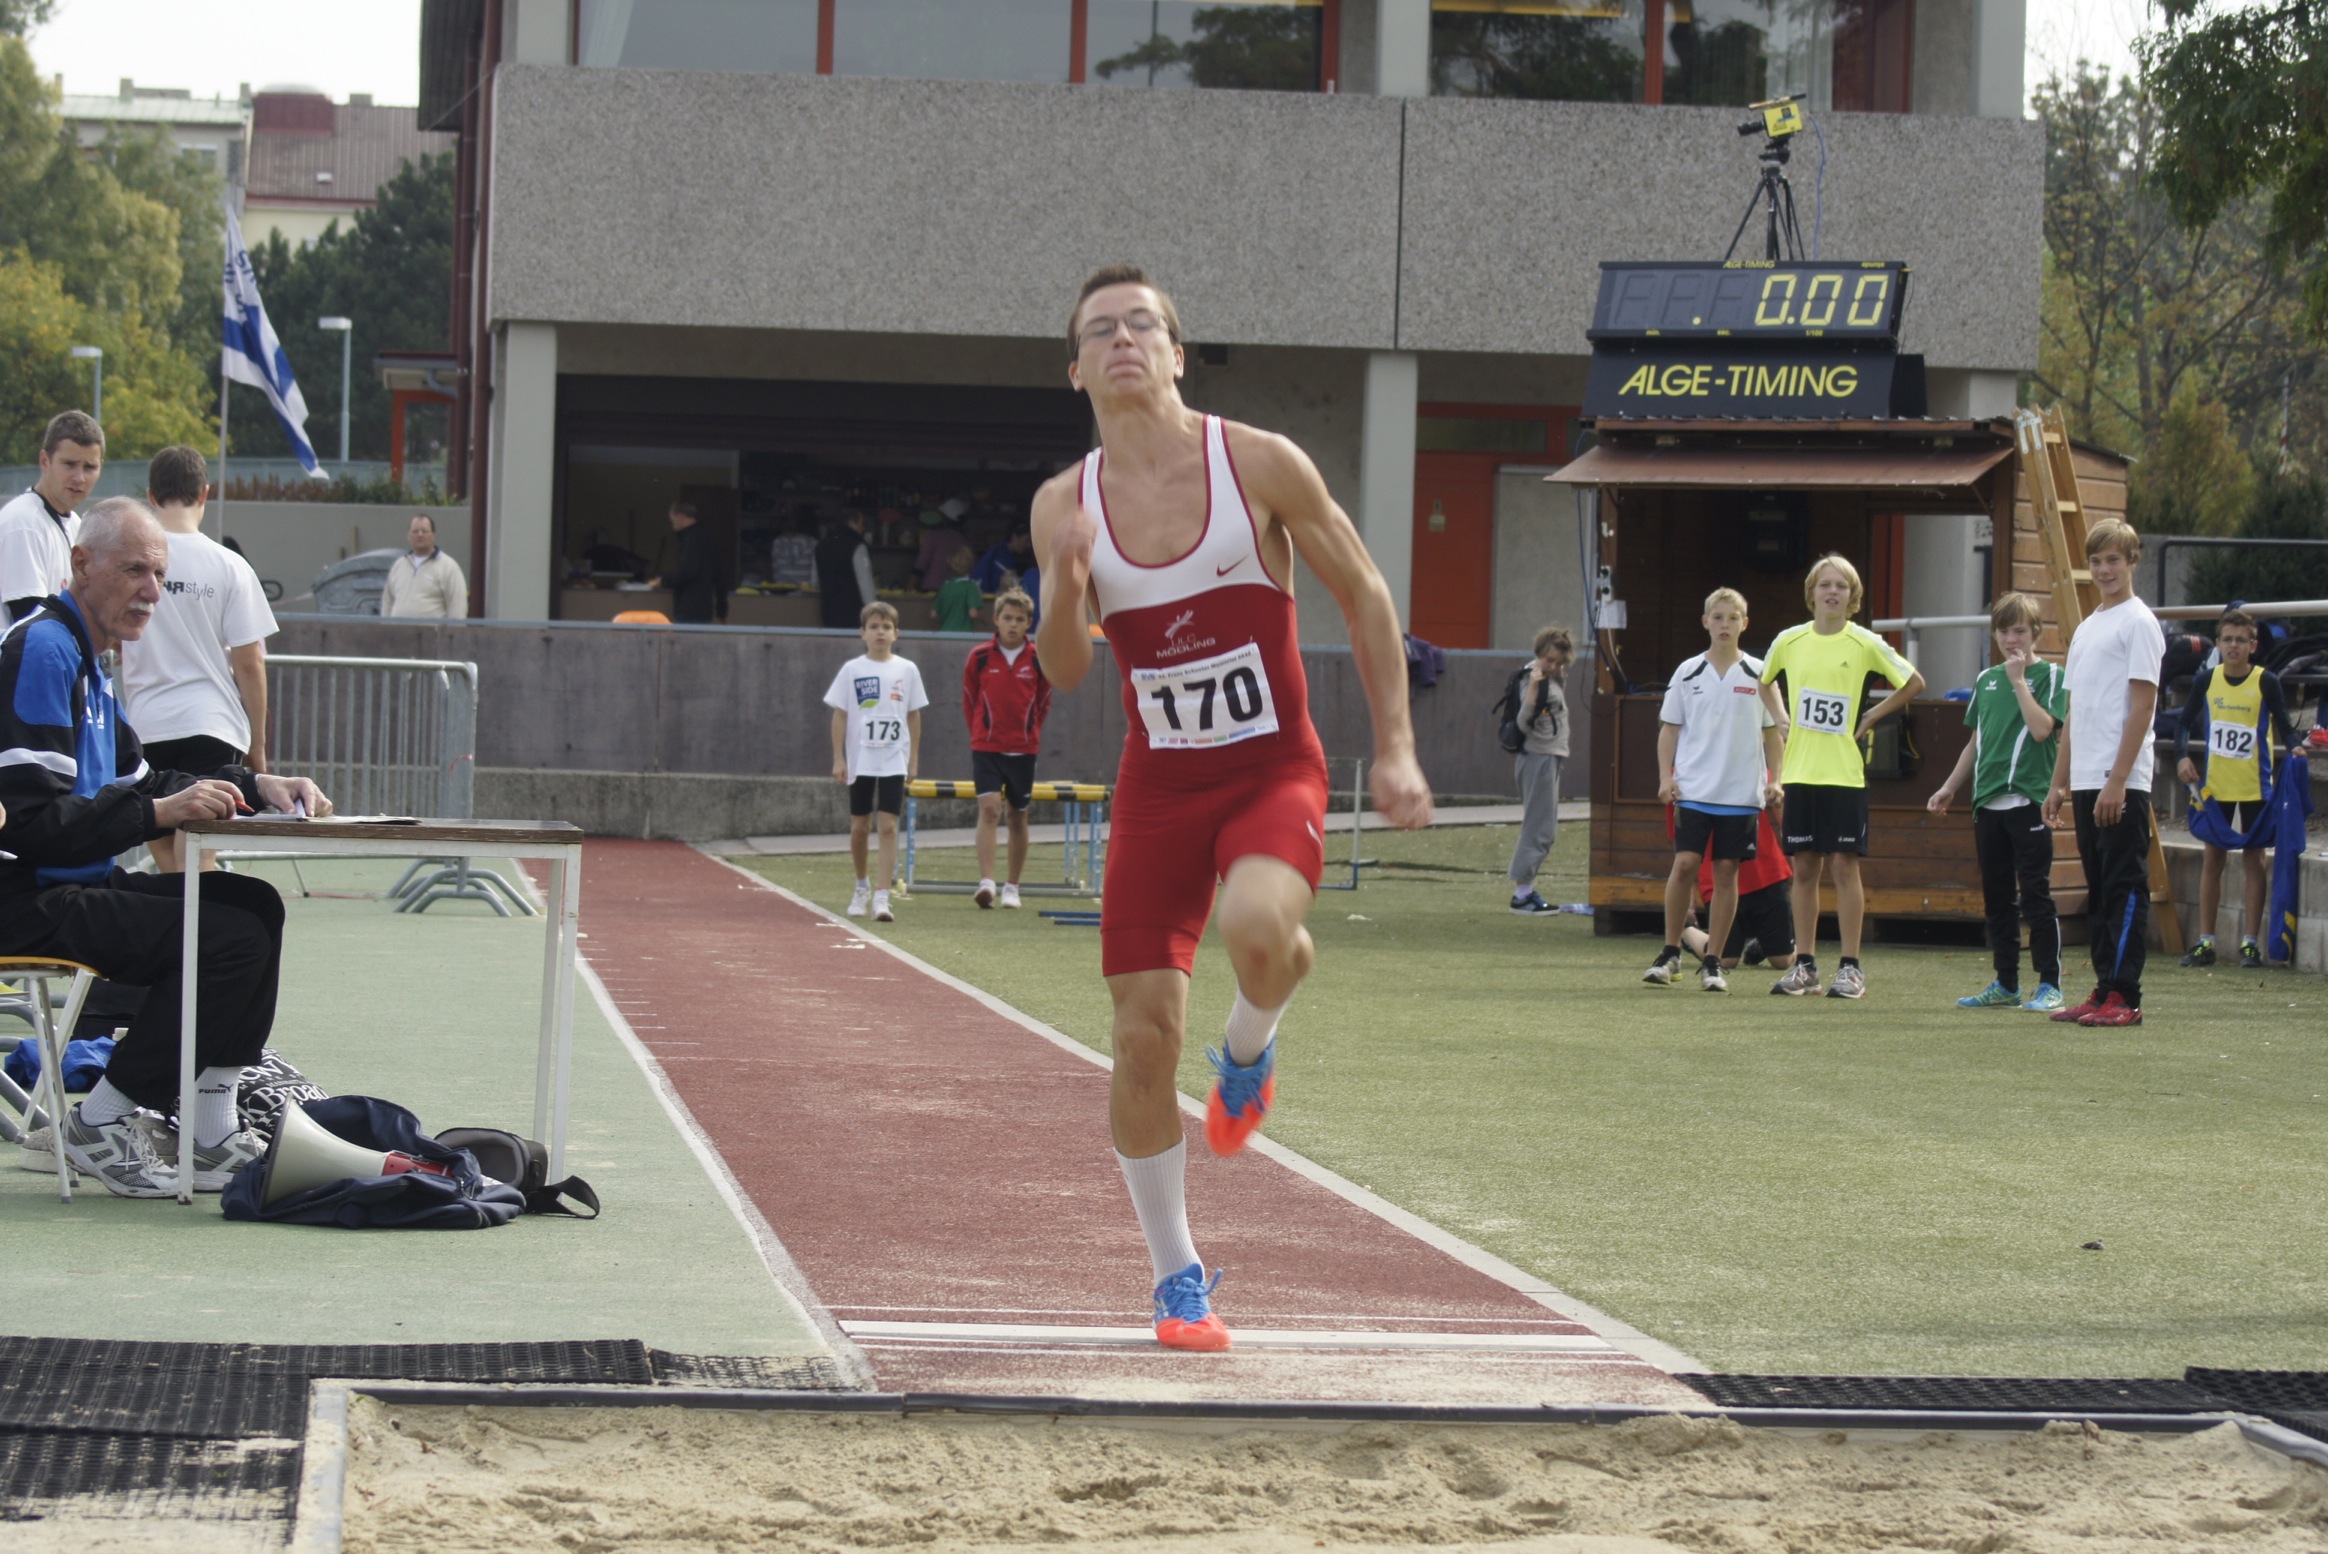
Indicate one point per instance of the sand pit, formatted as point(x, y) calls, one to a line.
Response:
point(448, 1480)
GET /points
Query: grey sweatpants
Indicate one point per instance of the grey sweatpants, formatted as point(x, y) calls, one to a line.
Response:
point(1540, 817)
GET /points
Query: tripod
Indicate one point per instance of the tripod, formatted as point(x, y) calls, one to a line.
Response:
point(1782, 238)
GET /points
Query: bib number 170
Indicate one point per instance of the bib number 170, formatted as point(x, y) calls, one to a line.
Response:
point(1217, 701)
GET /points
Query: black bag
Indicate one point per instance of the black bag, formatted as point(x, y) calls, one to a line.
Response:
point(525, 1165)
point(1508, 732)
point(459, 1199)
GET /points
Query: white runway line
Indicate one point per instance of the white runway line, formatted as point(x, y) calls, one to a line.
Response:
point(947, 1334)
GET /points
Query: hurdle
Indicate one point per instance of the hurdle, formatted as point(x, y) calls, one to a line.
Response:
point(1357, 818)
point(1083, 811)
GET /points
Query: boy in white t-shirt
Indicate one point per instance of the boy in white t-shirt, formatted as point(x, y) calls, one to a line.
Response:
point(1718, 752)
point(877, 700)
point(2105, 768)
point(195, 685)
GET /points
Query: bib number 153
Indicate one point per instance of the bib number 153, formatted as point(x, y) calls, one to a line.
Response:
point(1214, 701)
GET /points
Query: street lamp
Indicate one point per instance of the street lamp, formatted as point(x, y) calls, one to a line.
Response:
point(94, 355)
point(345, 328)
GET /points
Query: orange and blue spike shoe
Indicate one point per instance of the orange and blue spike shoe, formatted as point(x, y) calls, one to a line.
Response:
point(1240, 1098)
point(1184, 1314)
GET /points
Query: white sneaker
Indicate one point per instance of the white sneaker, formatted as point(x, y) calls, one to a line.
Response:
point(984, 895)
point(1010, 900)
point(1711, 979)
point(37, 1151)
point(860, 899)
point(214, 1164)
point(119, 1154)
point(881, 912)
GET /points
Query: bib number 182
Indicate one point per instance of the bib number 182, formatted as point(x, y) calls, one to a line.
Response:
point(1216, 701)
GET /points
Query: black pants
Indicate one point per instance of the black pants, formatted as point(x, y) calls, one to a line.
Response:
point(2117, 871)
point(2016, 861)
point(130, 929)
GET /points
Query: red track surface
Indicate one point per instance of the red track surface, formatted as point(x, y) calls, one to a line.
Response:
point(924, 1158)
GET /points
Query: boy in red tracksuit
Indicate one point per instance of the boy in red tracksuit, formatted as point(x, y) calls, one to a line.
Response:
point(1004, 700)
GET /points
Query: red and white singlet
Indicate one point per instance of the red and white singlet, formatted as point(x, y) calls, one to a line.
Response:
point(1207, 643)
point(1220, 762)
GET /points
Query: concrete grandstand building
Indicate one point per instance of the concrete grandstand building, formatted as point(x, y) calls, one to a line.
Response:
point(816, 254)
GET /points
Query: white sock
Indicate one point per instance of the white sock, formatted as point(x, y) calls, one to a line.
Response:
point(105, 1104)
point(214, 1115)
point(1159, 1186)
point(1249, 1030)
point(863, 883)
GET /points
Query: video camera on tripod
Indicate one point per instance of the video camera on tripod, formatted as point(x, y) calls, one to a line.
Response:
point(1778, 121)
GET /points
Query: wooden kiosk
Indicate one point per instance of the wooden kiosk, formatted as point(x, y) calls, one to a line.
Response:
point(1699, 491)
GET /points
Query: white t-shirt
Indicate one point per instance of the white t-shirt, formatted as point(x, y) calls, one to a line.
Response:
point(2111, 648)
point(175, 680)
point(877, 696)
point(1718, 759)
point(36, 552)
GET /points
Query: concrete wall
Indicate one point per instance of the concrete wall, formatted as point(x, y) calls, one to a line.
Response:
point(707, 731)
point(2183, 858)
point(290, 542)
point(1424, 224)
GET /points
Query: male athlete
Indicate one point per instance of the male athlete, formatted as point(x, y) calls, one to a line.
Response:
point(1179, 534)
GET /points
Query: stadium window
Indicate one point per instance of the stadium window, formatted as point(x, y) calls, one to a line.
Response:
point(1874, 55)
point(1258, 46)
point(1556, 50)
point(768, 37)
point(995, 40)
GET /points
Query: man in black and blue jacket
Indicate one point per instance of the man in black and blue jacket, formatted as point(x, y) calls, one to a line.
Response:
point(77, 790)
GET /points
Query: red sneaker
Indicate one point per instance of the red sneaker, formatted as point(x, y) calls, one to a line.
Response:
point(2075, 1014)
point(2114, 1011)
point(1184, 1314)
point(1240, 1099)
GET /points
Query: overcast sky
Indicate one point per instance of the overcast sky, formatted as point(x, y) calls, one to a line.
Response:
point(343, 46)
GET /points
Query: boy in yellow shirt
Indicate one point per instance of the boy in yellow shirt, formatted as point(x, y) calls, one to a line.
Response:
point(2229, 707)
point(1825, 663)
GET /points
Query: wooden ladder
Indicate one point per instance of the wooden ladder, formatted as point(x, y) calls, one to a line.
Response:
point(2059, 507)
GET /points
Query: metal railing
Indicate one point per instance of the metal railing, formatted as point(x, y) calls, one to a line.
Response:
point(1908, 626)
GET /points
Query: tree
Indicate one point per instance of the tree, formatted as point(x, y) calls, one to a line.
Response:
point(17, 17)
point(153, 393)
point(2292, 509)
point(2194, 477)
point(2245, 116)
point(149, 163)
point(1553, 58)
point(1265, 48)
point(391, 272)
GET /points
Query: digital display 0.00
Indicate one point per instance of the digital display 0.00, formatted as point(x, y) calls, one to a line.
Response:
point(1858, 300)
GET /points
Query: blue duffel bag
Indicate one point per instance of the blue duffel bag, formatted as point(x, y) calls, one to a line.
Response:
point(463, 1197)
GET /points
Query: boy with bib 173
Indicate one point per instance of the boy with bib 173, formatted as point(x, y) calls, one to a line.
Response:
point(1179, 534)
point(1826, 662)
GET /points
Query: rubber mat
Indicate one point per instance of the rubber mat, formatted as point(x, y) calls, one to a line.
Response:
point(2297, 1399)
point(761, 1372)
point(2002, 1394)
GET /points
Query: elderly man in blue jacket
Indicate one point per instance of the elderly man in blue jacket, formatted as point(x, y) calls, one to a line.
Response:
point(77, 791)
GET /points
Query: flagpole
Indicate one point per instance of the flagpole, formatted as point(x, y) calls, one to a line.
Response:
point(226, 246)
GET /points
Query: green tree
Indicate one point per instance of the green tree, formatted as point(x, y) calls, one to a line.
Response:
point(2291, 509)
point(17, 17)
point(2194, 477)
point(391, 273)
point(2244, 93)
point(149, 163)
point(153, 393)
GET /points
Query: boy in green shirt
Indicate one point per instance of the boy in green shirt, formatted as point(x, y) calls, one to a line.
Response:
point(2015, 715)
point(1826, 662)
point(958, 596)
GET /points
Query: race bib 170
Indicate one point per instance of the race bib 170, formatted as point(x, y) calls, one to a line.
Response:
point(2231, 741)
point(1214, 701)
point(1823, 712)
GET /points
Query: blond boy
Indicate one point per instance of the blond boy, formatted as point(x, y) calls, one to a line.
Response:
point(1826, 662)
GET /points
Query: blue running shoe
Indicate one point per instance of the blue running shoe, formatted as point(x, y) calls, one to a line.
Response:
point(1995, 996)
point(1240, 1098)
point(1184, 1314)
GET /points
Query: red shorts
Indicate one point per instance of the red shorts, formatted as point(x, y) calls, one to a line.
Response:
point(1169, 847)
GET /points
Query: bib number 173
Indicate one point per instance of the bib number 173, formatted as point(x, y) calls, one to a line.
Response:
point(1214, 701)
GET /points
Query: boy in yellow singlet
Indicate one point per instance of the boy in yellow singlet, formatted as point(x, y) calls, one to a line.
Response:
point(2225, 715)
point(1825, 663)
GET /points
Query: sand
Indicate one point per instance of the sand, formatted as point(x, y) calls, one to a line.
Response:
point(447, 1480)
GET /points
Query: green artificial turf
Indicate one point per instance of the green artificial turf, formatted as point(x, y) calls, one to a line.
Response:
point(1771, 1184)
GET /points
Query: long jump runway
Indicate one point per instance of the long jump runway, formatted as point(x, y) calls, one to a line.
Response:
point(938, 1168)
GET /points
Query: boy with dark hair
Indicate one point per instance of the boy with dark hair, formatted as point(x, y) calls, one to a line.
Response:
point(1826, 663)
point(877, 698)
point(2227, 716)
point(1763, 931)
point(195, 684)
point(2016, 709)
point(1536, 701)
point(39, 529)
point(1005, 698)
point(2112, 675)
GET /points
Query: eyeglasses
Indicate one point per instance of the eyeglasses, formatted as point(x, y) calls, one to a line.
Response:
point(1098, 331)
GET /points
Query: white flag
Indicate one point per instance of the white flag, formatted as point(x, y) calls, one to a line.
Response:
point(253, 354)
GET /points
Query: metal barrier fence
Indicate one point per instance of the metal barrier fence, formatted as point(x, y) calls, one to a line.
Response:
point(387, 736)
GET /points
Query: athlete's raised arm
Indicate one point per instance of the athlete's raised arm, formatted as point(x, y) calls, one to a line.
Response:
point(1064, 534)
point(1280, 478)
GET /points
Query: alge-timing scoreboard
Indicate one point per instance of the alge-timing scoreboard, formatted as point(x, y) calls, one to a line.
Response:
point(1752, 339)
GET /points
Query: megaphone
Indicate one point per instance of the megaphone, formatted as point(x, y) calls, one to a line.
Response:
point(306, 1154)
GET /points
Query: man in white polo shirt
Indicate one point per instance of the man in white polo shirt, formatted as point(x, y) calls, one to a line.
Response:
point(424, 582)
point(39, 528)
point(194, 686)
point(1717, 751)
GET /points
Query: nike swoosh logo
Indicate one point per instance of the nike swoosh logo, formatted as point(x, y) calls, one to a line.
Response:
point(1231, 567)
